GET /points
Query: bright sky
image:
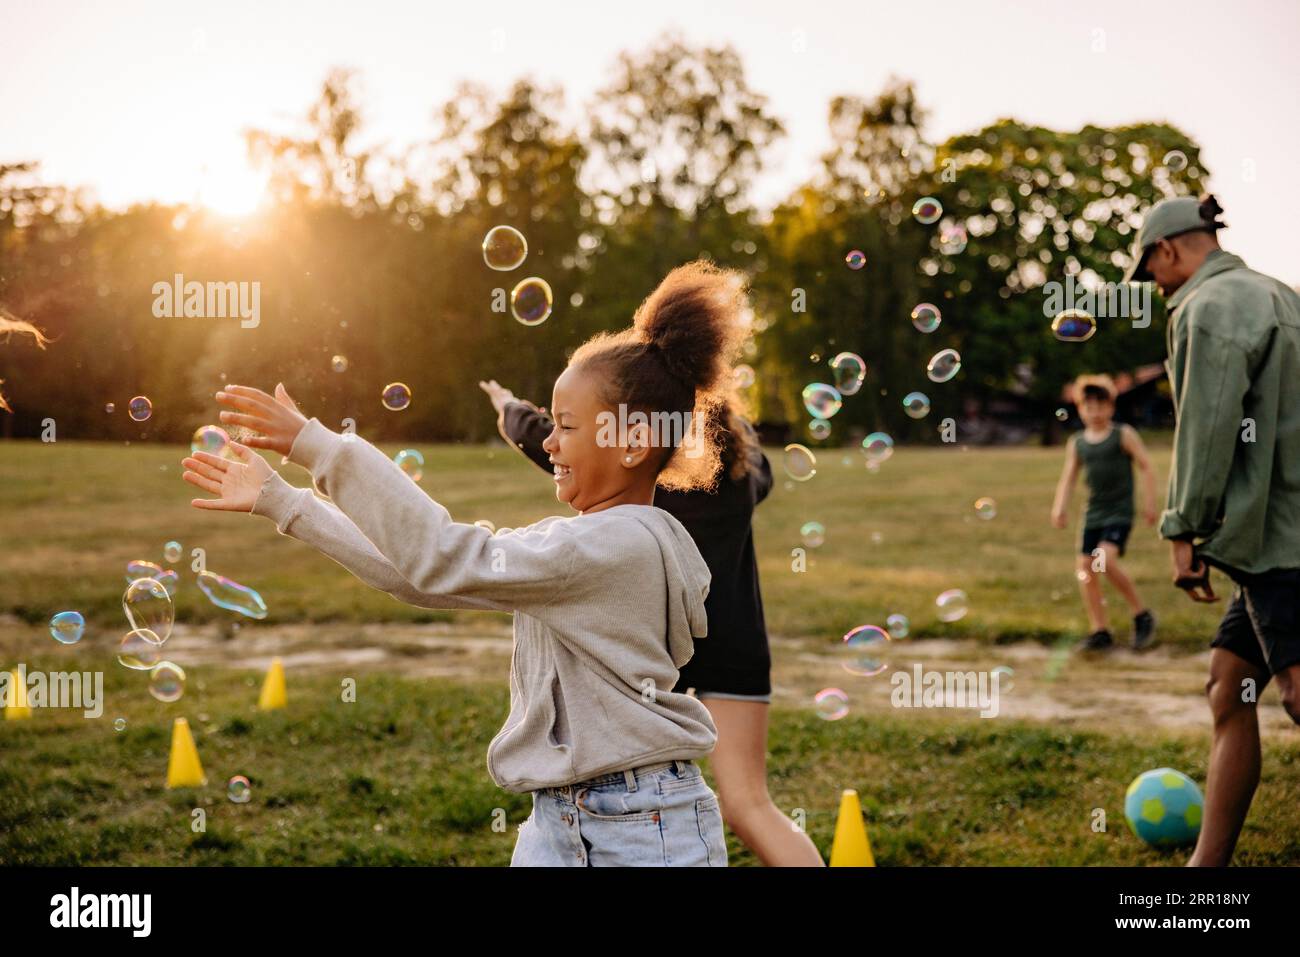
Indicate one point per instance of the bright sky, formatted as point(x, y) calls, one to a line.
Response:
point(148, 98)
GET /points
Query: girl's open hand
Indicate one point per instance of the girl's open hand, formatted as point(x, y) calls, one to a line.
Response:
point(277, 418)
point(236, 484)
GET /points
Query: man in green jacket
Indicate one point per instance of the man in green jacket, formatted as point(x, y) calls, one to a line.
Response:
point(1234, 491)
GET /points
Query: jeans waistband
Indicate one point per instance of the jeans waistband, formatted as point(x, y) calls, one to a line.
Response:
point(629, 777)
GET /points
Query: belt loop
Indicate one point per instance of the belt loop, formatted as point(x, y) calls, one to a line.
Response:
point(629, 776)
point(679, 767)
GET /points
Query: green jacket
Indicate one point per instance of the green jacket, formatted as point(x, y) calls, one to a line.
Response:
point(1234, 367)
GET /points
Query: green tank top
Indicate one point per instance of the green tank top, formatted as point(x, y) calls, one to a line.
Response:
point(1109, 473)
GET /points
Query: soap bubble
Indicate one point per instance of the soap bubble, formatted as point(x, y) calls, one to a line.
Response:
point(943, 365)
point(110, 407)
point(411, 462)
point(139, 650)
point(986, 508)
point(952, 239)
point(813, 534)
point(877, 447)
point(67, 627)
point(1005, 673)
point(916, 405)
point(856, 259)
point(850, 370)
point(1062, 415)
point(951, 605)
point(1074, 325)
point(1175, 161)
point(744, 376)
point(143, 569)
point(504, 248)
point(212, 439)
point(926, 317)
point(831, 704)
point(339, 363)
point(140, 408)
point(230, 595)
point(119, 724)
point(799, 462)
point(866, 649)
point(172, 552)
point(927, 210)
point(819, 429)
point(484, 523)
point(898, 626)
point(821, 400)
point(531, 300)
point(167, 681)
point(148, 607)
point(396, 396)
point(239, 790)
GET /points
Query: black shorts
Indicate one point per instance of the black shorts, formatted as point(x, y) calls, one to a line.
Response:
point(1093, 537)
point(1262, 624)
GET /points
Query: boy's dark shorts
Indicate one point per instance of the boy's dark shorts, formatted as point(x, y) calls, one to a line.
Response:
point(1262, 624)
point(1093, 537)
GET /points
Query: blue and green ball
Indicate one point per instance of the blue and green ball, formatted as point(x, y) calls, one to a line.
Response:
point(1164, 807)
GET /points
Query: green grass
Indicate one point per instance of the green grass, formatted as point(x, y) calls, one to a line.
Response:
point(76, 513)
point(398, 777)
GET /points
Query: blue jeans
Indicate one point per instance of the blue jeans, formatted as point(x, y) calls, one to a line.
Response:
point(661, 815)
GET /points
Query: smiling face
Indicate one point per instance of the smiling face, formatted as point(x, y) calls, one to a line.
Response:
point(591, 475)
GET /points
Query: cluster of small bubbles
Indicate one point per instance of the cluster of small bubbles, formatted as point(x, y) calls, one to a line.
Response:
point(799, 462)
point(856, 259)
point(744, 376)
point(239, 790)
point(140, 408)
point(110, 407)
point(172, 552)
point(821, 400)
point(850, 371)
point(148, 607)
point(339, 363)
point(1005, 673)
point(504, 248)
point(411, 462)
point(119, 724)
point(951, 605)
point(943, 365)
point(927, 210)
point(1175, 161)
point(877, 447)
point(926, 317)
point(819, 429)
point(209, 438)
point(952, 239)
point(866, 649)
point(67, 627)
point(831, 704)
point(898, 626)
point(986, 508)
point(167, 681)
point(139, 650)
point(1074, 325)
point(531, 301)
point(813, 534)
point(1062, 415)
point(916, 405)
point(230, 595)
point(396, 396)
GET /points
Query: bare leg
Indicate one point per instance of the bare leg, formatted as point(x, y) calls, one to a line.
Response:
point(1090, 588)
point(1288, 683)
point(739, 765)
point(1234, 758)
point(1117, 577)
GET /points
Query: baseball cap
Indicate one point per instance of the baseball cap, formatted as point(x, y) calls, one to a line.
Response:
point(1169, 218)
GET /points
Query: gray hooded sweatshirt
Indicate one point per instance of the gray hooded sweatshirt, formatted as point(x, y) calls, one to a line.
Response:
point(606, 607)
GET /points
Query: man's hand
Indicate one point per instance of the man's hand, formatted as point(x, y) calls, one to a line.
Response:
point(1058, 518)
point(278, 418)
point(236, 484)
point(1191, 575)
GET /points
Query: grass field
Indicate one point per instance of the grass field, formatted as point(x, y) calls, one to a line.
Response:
point(399, 777)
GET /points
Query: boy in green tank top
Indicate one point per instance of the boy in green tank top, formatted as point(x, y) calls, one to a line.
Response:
point(1107, 453)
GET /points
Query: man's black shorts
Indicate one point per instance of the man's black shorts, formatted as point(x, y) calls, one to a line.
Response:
point(1093, 537)
point(1262, 625)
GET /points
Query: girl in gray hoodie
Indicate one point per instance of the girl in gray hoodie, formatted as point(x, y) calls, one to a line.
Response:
point(607, 604)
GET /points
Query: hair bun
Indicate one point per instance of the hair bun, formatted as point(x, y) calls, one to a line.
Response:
point(1210, 209)
point(693, 321)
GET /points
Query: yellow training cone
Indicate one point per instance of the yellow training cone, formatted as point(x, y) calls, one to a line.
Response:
point(851, 847)
point(15, 698)
point(273, 695)
point(183, 768)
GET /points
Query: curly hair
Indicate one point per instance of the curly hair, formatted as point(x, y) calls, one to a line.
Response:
point(9, 323)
